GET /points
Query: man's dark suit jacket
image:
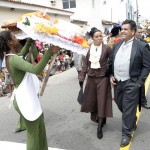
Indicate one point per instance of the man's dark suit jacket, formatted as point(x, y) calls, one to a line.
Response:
point(142, 40)
point(139, 62)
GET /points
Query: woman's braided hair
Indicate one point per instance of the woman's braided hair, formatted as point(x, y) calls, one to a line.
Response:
point(93, 30)
point(5, 36)
point(91, 33)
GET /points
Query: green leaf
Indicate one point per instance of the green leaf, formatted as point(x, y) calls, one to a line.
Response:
point(27, 22)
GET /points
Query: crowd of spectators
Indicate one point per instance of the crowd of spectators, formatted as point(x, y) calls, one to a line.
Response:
point(62, 62)
point(6, 84)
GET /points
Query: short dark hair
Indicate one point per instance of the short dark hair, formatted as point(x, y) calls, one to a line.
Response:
point(132, 24)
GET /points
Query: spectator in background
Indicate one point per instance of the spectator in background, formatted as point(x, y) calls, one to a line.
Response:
point(44, 48)
point(138, 36)
point(66, 59)
point(106, 37)
point(54, 68)
point(69, 53)
point(2, 83)
point(61, 60)
point(148, 33)
point(114, 35)
point(58, 66)
point(147, 39)
point(8, 82)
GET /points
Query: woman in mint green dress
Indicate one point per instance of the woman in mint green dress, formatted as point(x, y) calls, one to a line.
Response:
point(26, 101)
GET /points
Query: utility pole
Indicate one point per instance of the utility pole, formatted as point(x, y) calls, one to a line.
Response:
point(137, 12)
point(111, 14)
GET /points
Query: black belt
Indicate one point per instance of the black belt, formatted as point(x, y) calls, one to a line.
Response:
point(119, 81)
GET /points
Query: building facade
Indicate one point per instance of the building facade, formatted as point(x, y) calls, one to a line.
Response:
point(85, 13)
point(10, 10)
point(94, 11)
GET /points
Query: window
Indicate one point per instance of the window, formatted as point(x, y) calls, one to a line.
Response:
point(69, 4)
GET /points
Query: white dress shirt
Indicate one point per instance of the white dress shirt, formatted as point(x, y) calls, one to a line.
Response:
point(122, 61)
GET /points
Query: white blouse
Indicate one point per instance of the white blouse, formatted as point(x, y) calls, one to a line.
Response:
point(95, 54)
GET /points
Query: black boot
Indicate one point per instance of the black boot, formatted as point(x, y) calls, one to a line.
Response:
point(104, 122)
point(99, 129)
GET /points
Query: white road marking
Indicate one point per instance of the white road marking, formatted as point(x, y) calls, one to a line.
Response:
point(5, 145)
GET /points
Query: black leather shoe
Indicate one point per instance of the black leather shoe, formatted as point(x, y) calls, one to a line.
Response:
point(145, 106)
point(125, 141)
point(99, 133)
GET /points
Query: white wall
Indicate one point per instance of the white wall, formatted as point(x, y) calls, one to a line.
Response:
point(7, 14)
point(45, 3)
point(86, 11)
point(114, 10)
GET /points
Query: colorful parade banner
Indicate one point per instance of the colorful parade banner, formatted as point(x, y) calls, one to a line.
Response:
point(61, 33)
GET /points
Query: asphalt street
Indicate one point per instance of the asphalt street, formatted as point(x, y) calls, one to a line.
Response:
point(68, 128)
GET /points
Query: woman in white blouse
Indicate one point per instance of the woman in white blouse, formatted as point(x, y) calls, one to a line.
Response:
point(97, 93)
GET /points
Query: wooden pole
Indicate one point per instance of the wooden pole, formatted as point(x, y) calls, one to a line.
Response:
point(48, 74)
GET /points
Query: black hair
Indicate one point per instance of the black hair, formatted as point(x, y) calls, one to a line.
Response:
point(93, 30)
point(22, 42)
point(115, 31)
point(117, 25)
point(5, 36)
point(132, 24)
point(60, 53)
